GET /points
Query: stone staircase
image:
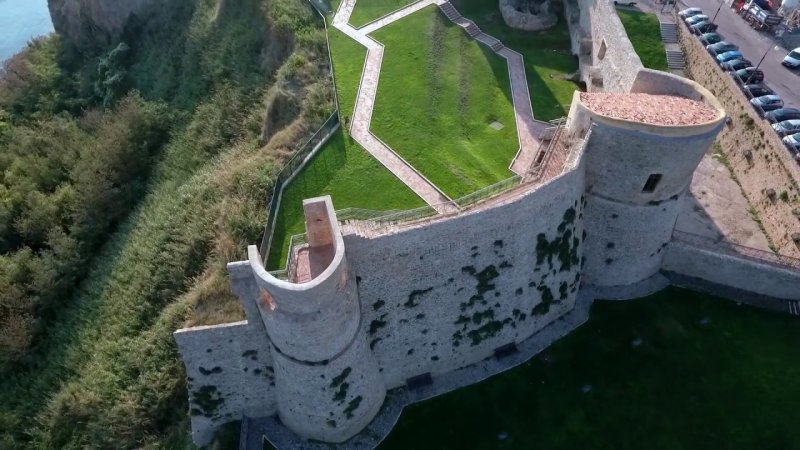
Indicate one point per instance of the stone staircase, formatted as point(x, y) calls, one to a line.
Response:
point(794, 308)
point(669, 32)
point(469, 26)
point(676, 60)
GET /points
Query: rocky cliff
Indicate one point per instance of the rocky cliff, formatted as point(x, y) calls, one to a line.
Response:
point(95, 22)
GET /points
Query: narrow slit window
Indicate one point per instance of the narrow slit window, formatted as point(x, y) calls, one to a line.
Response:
point(601, 53)
point(652, 182)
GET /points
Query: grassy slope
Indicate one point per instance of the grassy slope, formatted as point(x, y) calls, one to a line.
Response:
point(342, 169)
point(368, 10)
point(547, 56)
point(107, 374)
point(729, 383)
point(437, 95)
point(645, 35)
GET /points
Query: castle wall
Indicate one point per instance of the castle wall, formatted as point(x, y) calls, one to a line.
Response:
point(441, 296)
point(229, 372)
point(732, 271)
point(229, 368)
point(614, 62)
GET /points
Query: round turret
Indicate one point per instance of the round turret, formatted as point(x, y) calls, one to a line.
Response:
point(327, 382)
point(641, 152)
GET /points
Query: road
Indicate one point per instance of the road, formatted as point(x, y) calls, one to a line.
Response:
point(753, 44)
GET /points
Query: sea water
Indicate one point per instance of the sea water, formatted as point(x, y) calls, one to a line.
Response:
point(21, 21)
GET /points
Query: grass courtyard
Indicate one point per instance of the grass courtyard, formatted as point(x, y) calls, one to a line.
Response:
point(342, 169)
point(438, 95)
point(677, 370)
point(368, 10)
point(353, 179)
point(547, 56)
point(645, 35)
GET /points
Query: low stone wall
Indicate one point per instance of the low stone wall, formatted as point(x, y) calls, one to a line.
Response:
point(737, 272)
point(751, 149)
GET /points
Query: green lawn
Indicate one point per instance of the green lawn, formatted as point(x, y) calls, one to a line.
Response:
point(547, 56)
point(353, 179)
point(342, 169)
point(368, 10)
point(707, 374)
point(437, 96)
point(348, 62)
point(645, 35)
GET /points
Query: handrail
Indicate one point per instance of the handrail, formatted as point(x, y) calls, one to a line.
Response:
point(730, 248)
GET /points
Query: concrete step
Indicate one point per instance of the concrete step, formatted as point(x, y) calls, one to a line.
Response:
point(449, 10)
point(675, 59)
point(473, 30)
point(669, 32)
point(497, 46)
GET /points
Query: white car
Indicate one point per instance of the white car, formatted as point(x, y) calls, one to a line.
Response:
point(792, 141)
point(787, 127)
point(792, 60)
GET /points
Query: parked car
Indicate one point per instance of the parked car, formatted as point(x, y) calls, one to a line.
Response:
point(792, 141)
point(729, 56)
point(696, 19)
point(767, 102)
point(736, 64)
point(721, 47)
point(703, 27)
point(750, 75)
point(787, 127)
point(711, 38)
point(757, 90)
point(779, 115)
point(792, 60)
point(689, 12)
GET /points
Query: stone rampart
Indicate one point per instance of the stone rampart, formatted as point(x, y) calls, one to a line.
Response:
point(447, 294)
point(608, 61)
point(726, 268)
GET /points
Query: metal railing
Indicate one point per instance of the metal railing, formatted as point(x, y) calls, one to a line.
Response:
point(543, 156)
point(729, 248)
point(301, 157)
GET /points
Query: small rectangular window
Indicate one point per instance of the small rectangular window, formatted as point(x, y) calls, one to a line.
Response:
point(652, 182)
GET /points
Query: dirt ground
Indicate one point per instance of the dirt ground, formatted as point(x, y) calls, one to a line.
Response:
point(753, 153)
point(715, 207)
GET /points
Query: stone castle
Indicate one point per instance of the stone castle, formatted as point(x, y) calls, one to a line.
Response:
point(374, 317)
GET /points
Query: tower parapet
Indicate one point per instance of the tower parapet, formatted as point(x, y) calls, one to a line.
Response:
point(640, 158)
point(327, 382)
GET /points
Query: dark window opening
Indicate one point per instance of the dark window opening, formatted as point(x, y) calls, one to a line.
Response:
point(652, 182)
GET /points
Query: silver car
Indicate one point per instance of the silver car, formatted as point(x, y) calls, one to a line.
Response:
point(792, 141)
point(787, 127)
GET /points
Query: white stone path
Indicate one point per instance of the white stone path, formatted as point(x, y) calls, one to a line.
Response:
point(528, 129)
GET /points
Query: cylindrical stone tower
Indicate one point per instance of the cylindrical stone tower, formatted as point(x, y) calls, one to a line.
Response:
point(327, 382)
point(640, 157)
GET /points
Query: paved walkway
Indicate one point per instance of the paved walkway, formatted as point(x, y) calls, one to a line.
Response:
point(528, 129)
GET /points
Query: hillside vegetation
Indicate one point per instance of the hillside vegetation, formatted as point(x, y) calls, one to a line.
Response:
point(129, 176)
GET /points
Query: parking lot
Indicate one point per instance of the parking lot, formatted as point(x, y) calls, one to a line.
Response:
point(753, 44)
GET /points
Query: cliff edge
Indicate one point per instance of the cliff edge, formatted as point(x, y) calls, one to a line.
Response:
point(94, 22)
